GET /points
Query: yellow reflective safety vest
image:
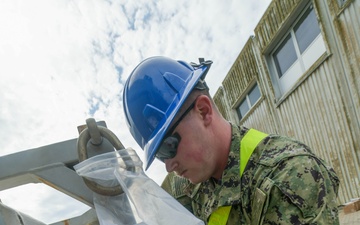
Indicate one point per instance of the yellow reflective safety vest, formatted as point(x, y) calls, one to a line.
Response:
point(247, 145)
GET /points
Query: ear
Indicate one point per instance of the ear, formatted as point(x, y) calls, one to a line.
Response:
point(204, 107)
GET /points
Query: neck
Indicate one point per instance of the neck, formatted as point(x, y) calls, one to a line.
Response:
point(224, 148)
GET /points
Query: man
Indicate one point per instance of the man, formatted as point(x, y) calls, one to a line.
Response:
point(222, 173)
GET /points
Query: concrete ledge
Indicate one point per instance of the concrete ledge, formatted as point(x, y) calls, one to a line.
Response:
point(352, 206)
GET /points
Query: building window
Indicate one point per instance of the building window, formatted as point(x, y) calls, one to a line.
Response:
point(249, 101)
point(341, 2)
point(299, 49)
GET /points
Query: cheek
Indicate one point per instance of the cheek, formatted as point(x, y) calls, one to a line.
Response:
point(192, 145)
point(196, 156)
point(191, 151)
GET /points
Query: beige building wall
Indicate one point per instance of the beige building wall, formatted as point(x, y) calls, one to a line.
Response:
point(322, 108)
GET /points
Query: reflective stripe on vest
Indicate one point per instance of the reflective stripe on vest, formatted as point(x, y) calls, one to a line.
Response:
point(247, 145)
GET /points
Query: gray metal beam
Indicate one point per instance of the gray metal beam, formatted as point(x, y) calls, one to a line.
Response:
point(66, 180)
point(13, 217)
point(52, 165)
point(15, 168)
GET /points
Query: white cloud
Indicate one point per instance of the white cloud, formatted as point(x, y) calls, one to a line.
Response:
point(65, 61)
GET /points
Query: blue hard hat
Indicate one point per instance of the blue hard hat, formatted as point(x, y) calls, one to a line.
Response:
point(153, 94)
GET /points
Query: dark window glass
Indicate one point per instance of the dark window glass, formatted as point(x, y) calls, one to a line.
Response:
point(254, 95)
point(243, 108)
point(285, 56)
point(307, 29)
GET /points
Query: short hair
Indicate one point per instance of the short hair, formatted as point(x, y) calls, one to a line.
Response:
point(200, 89)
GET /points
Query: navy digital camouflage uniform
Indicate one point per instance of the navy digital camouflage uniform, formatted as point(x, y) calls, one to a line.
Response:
point(283, 183)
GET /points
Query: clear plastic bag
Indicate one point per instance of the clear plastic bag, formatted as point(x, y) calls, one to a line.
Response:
point(114, 210)
point(143, 201)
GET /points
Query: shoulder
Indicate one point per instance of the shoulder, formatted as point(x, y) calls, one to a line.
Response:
point(274, 149)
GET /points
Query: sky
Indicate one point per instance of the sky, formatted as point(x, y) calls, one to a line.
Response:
point(63, 61)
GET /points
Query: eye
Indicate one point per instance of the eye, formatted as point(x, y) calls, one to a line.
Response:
point(171, 142)
point(171, 145)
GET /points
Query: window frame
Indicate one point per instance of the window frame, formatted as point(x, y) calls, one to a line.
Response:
point(247, 99)
point(282, 91)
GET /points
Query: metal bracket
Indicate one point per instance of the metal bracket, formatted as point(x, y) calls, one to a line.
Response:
point(94, 134)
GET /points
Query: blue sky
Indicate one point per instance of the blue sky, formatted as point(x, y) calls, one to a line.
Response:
point(64, 61)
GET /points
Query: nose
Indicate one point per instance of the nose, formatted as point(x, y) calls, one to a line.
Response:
point(170, 165)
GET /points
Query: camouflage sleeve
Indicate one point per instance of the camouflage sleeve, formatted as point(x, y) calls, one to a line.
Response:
point(302, 190)
point(175, 185)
